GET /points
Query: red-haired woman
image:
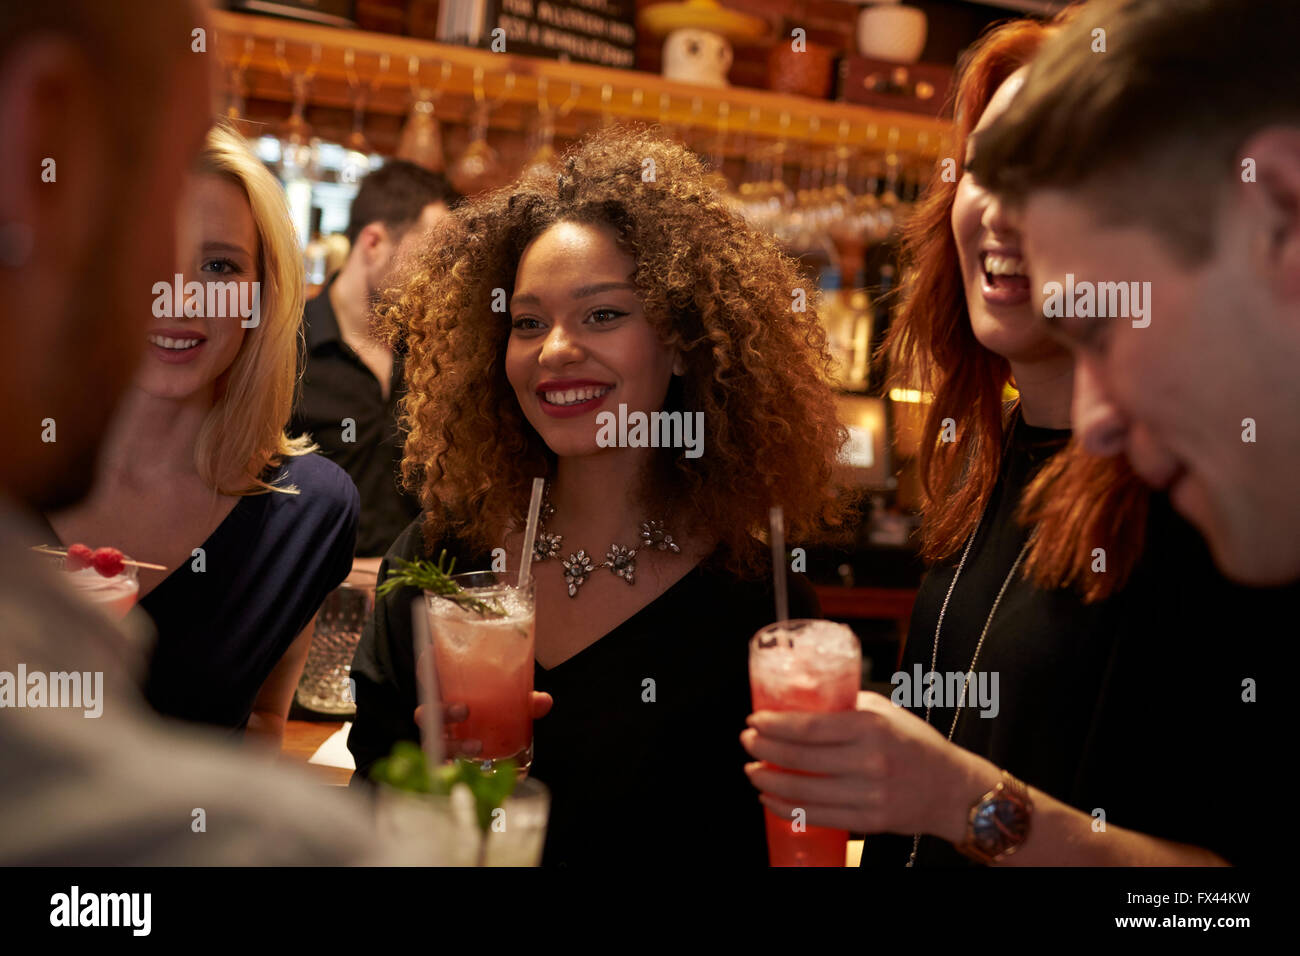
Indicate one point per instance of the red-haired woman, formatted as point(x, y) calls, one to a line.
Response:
point(1059, 585)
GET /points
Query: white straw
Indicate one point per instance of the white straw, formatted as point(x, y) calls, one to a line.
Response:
point(530, 530)
point(777, 518)
point(427, 680)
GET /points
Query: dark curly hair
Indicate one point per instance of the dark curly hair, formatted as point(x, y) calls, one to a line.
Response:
point(720, 293)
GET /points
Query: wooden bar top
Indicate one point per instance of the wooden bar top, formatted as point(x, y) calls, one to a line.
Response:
point(301, 740)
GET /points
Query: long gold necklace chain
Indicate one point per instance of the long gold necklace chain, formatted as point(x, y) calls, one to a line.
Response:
point(934, 655)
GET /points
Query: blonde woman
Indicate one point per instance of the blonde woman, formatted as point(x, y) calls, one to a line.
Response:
point(198, 475)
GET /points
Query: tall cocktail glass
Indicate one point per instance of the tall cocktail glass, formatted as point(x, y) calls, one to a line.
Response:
point(442, 829)
point(486, 662)
point(804, 665)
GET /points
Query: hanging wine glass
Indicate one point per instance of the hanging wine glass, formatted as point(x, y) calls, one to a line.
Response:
point(421, 141)
point(479, 167)
point(840, 221)
point(779, 196)
point(606, 99)
point(297, 148)
point(234, 111)
point(865, 203)
point(717, 153)
point(749, 186)
point(671, 129)
point(356, 156)
point(543, 159)
point(889, 199)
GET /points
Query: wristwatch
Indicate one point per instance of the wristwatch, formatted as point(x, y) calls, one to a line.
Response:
point(999, 822)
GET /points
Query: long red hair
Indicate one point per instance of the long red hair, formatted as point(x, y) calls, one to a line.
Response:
point(1078, 502)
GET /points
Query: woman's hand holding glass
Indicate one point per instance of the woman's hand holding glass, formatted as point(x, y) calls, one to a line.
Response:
point(884, 770)
point(456, 713)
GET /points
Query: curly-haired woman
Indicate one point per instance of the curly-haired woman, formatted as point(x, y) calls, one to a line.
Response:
point(622, 286)
point(199, 476)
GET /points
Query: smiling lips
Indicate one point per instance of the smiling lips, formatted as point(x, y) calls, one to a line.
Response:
point(567, 399)
point(1005, 282)
point(164, 342)
point(175, 346)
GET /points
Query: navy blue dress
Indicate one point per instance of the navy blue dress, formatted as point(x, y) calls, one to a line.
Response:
point(269, 565)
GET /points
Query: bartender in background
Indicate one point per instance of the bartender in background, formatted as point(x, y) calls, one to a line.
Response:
point(352, 381)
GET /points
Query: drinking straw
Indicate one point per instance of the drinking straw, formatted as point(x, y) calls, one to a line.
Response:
point(530, 530)
point(776, 517)
point(427, 679)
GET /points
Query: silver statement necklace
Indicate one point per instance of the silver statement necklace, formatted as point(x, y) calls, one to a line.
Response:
point(619, 558)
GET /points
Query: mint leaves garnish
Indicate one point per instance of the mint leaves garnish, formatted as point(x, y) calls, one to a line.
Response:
point(407, 768)
point(436, 579)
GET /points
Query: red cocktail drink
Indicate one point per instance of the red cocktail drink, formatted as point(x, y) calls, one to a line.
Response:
point(485, 661)
point(811, 666)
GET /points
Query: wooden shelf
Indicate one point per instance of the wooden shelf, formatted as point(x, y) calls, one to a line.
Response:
point(268, 52)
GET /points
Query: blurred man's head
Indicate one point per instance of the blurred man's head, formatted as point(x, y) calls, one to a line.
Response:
point(1160, 143)
point(103, 107)
point(396, 205)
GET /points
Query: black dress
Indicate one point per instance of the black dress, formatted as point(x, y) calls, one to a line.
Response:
point(1131, 706)
point(223, 625)
point(633, 783)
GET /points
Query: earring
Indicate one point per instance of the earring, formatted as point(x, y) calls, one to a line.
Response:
point(15, 244)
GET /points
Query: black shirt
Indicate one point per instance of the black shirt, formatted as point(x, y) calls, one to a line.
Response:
point(224, 625)
point(1130, 706)
point(337, 385)
point(629, 779)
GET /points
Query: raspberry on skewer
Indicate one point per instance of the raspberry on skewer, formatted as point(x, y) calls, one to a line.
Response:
point(79, 557)
point(107, 561)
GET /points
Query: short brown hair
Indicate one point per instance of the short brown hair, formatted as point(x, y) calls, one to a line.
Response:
point(1151, 126)
point(395, 194)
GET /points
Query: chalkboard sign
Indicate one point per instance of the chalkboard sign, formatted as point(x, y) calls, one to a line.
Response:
point(582, 31)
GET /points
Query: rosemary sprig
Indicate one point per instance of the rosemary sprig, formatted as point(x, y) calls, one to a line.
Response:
point(436, 579)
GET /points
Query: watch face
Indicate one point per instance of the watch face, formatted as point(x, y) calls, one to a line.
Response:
point(998, 824)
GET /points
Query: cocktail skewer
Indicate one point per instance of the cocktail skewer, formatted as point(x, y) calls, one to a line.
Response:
point(46, 549)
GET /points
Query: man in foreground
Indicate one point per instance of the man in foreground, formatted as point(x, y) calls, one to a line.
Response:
point(88, 191)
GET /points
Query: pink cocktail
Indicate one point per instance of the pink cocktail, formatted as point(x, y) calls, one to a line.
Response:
point(812, 666)
point(116, 595)
point(485, 661)
point(105, 578)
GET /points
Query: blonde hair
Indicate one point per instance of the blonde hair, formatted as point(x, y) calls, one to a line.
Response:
point(244, 433)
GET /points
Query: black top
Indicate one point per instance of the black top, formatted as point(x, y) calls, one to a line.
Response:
point(654, 780)
point(266, 569)
point(1131, 705)
point(269, 566)
point(337, 385)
